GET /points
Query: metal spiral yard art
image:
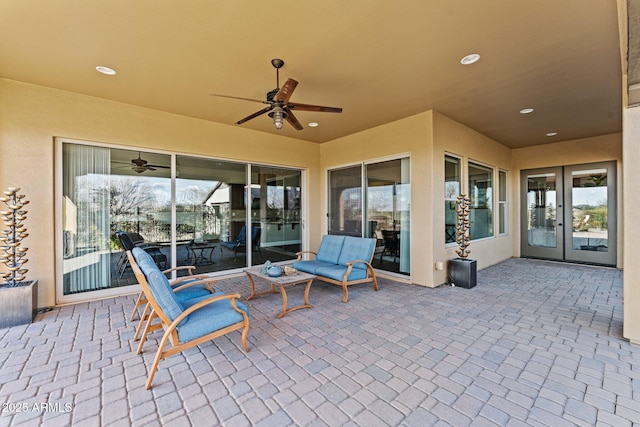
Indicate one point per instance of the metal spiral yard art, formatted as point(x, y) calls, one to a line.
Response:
point(11, 254)
point(463, 207)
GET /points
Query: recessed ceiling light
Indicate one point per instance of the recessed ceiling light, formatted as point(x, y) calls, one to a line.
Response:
point(313, 125)
point(526, 111)
point(552, 133)
point(470, 59)
point(106, 70)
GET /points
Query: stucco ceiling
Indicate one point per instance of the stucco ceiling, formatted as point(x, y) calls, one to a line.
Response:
point(378, 60)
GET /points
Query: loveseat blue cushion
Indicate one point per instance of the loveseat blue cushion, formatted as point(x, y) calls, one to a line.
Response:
point(337, 272)
point(310, 266)
point(330, 248)
point(209, 318)
point(356, 248)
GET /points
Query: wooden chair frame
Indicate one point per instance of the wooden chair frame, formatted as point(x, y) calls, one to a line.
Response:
point(170, 332)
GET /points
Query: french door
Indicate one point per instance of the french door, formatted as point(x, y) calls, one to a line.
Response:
point(569, 213)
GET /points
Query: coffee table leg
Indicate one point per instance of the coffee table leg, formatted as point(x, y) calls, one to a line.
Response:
point(253, 289)
point(306, 304)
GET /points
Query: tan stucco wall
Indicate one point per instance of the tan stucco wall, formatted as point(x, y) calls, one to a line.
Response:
point(631, 156)
point(454, 138)
point(574, 152)
point(31, 116)
point(426, 137)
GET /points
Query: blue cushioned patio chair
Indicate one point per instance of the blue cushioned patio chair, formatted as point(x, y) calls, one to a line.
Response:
point(240, 243)
point(187, 324)
point(185, 288)
point(127, 244)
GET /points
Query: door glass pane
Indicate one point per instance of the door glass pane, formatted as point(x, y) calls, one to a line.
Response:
point(106, 190)
point(388, 204)
point(589, 210)
point(541, 210)
point(210, 213)
point(275, 210)
point(345, 201)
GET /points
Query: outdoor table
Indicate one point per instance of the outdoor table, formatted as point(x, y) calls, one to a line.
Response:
point(282, 281)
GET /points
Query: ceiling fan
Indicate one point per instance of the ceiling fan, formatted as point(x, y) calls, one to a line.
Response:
point(280, 108)
point(140, 165)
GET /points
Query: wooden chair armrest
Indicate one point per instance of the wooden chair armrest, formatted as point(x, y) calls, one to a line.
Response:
point(208, 283)
point(191, 277)
point(299, 254)
point(359, 261)
point(184, 267)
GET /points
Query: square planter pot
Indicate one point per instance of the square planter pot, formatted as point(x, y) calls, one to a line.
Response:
point(462, 272)
point(18, 304)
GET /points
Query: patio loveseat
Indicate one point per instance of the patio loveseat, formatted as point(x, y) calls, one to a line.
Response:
point(341, 260)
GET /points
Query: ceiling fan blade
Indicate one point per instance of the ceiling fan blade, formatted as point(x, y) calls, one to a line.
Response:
point(293, 121)
point(319, 108)
point(285, 91)
point(159, 166)
point(238, 97)
point(253, 116)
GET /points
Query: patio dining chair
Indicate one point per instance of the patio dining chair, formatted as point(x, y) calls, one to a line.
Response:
point(190, 323)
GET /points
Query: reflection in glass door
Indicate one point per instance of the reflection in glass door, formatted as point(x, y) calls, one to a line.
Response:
point(591, 196)
point(542, 206)
point(568, 213)
point(385, 215)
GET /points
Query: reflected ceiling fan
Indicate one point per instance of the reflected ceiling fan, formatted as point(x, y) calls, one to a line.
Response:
point(280, 108)
point(140, 165)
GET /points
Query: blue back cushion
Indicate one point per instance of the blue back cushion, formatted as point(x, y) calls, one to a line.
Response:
point(356, 248)
point(159, 285)
point(330, 248)
point(242, 235)
point(143, 259)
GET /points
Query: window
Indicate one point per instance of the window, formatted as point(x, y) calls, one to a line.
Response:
point(502, 203)
point(481, 195)
point(452, 183)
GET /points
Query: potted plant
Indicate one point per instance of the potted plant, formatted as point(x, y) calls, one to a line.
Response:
point(462, 271)
point(18, 297)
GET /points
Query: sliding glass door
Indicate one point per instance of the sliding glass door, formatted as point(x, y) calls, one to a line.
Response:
point(183, 210)
point(385, 213)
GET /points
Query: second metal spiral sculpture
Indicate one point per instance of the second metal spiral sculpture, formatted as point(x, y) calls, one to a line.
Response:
point(463, 207)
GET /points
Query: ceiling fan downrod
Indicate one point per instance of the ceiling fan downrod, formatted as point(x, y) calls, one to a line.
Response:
point(277, 64)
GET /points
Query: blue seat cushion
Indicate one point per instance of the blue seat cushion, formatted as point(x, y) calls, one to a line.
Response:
point(229, 245)
point(209, 318)
point(192, 292)
point(330, 248)
point(310, 266)
point(356, 248)
point(337, 272)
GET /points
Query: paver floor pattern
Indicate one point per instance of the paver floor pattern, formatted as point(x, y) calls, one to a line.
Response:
point(534, 343)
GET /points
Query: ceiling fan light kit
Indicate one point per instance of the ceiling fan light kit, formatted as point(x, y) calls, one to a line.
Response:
point(280, 109)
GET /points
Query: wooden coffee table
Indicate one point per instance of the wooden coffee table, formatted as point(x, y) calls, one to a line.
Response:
point(282, 281)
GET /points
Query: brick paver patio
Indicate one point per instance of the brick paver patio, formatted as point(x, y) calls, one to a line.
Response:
point(535, 343)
